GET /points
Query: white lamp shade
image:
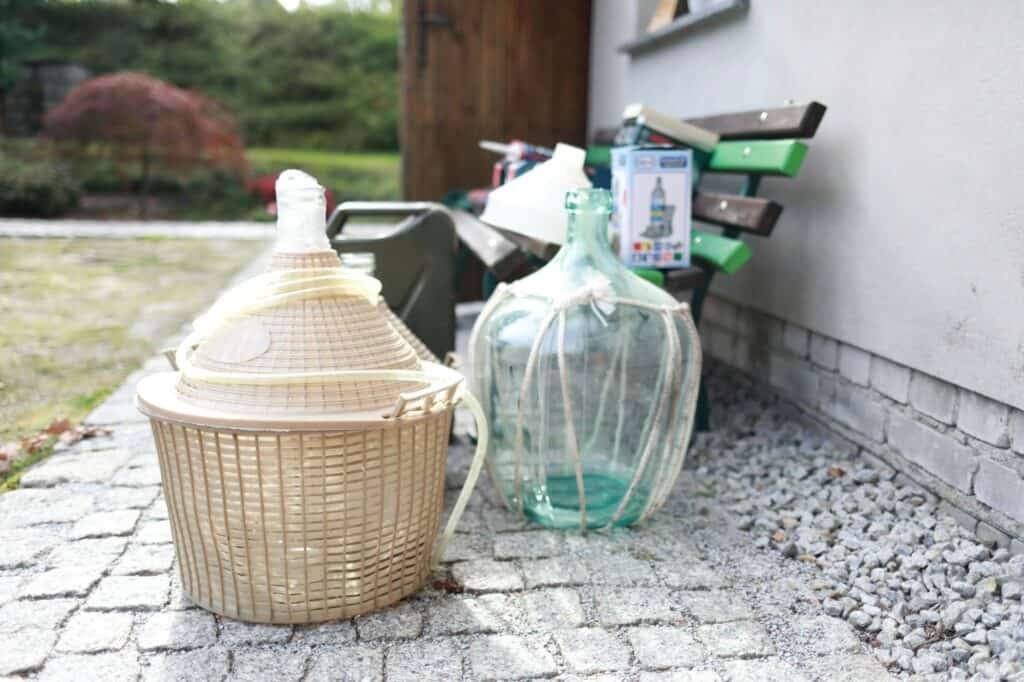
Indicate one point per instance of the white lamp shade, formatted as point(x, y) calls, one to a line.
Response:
point(534, 203)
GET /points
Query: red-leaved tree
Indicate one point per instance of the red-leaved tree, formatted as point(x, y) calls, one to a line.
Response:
point(145, 122)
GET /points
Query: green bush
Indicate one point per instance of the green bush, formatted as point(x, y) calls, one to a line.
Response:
point(322, 77)
point(36, 188)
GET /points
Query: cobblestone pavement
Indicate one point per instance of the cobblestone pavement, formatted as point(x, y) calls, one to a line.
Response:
point(132, 229)
point(89, 590)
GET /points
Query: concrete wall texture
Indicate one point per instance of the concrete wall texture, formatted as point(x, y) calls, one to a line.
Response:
point(889, 303)
point(903, 234)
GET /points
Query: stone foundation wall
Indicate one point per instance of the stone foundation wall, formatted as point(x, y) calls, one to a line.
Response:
point(965, 448)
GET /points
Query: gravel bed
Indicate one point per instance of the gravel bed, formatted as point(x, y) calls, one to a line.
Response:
point(927, 596)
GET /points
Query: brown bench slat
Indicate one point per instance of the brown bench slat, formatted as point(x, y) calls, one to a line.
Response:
point(798, 120)
point(746, 214)
point(684, 279)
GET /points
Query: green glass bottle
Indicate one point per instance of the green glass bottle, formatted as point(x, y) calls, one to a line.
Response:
point(589, 376)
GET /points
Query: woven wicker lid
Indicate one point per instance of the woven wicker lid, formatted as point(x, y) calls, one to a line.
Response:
point(281, 343)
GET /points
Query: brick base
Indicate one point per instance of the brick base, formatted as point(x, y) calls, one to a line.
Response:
point(961, 446)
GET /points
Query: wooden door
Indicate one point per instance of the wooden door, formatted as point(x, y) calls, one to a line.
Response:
point(488, 69)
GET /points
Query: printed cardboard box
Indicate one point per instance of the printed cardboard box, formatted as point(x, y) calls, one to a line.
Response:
point(652, 190)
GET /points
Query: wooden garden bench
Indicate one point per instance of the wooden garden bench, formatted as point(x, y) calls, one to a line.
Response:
point(754, 144)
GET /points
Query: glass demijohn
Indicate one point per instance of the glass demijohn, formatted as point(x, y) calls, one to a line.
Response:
point(588, 375)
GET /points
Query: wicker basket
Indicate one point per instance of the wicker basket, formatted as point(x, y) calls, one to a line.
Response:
point(302, 448)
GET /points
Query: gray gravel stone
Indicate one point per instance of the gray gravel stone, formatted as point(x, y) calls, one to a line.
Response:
point(506, 657)
point(663, 647)
point(424, 661)
point(91, 631)
point(825, 635)
point(113, 667)
point(347, 664)
point(592, 650)
point(488, 576)
point(404, 621)
point(279, 665)
point(762, 670)
point(744, 639)
point(629, 606)
point(130, 592)
point(178, 630)
point(198, 665)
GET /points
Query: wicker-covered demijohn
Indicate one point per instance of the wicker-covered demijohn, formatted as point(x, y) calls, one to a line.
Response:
point(303, 440)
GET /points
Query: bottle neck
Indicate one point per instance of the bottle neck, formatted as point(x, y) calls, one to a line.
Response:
point(587, 237)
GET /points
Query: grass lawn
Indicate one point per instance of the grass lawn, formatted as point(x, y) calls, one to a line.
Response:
point(351, 176)
point(80, 314)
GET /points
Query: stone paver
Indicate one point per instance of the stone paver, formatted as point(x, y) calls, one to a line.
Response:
point(178, 630)
point(36, 506)
point(84, 467)
point(762, 670)
point(59, 582)
point(742, 639)
point(89, 632)
point(106, 523)
point(347, 664)
point(404, 621)
point(198, 665)
point(424, 661)
point(714, 606)
point(549, 609)
point(145, 560)
point(256, 663)
point(130, 592)
point(89, 590)
point(661, 647)
point(628, 606)
point(506, 657)
point(488, 576)
point(235, 632)
point(592, 650)
point(89, 552)
point(119, 667)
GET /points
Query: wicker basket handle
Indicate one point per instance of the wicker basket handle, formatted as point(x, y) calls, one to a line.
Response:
point(476, 464)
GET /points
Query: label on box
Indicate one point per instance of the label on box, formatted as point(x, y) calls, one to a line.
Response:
point(651, 189)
